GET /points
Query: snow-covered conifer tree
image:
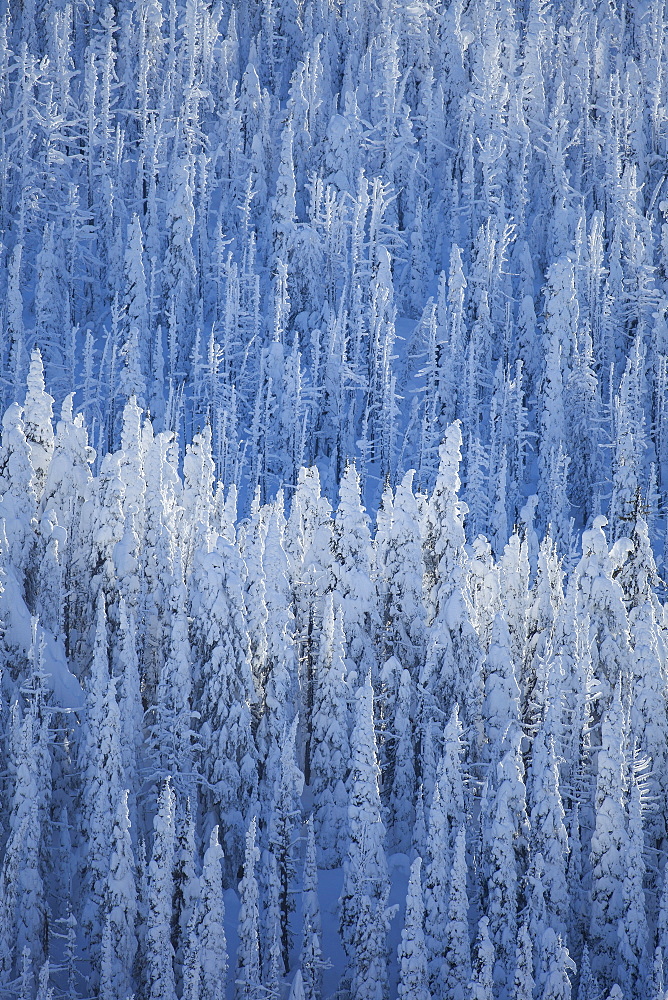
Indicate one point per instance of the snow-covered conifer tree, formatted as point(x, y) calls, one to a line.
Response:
point(548, 832)
point(351, 569)
point(120, 903)
point(436, 889)
point(22, 897)
point(135, 317)
point(102, 528)
point(413, 974)
point(456, 971)
point(279, 678)
point(180, 276)
point(285, 817)
point(331, 748)
point(225, 690)
point(599, 595)
point(160, 954)
point(308, 544)
point(130, 704)
point(633, 970)
point(402, 792)
point(501, 707)
point(557, 965)
point(211, 924)
point(483, 964)
point(365, 867)
point(18, 501)
point(283, 204)
point(609, 842)
point(248, 980)
point(370, 972)
point(37, 422)
point(523, 984)
point(648, 720)
point(310, 956)
point(399, 572)
point(186, 885)
point(100, 758)
point(50, 312)
point(175, 745)
point(626, 460)
point(444, 531)
point(582, 419)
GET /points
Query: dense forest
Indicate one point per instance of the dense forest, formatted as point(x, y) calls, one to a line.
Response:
point(333, 499)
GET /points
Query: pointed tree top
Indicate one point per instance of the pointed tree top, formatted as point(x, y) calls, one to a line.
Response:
point(214, 851)
point(297, 988)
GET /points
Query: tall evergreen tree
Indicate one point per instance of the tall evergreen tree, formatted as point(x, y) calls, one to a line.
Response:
point(609, 842)
point(225, 690)
point(365, 867)
point(413, 975)
point(456, 971)
point(160, 953)
point(120, 904)
point(248, 977)
point(331, 753)
point(212, 951)
point(285, 817)
point(37, 422)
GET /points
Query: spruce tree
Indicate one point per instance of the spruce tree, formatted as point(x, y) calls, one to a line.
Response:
point(402, 793)
point(18, 501)
point(633, 931)
point(456, 970)
point(212, 946)
point(37, 422)
point(523, 984)
point(159, 950)
point(365, 868)
point(285, 818)
point(548, 832)
point(557, 964)
point(609, 842)
point(310, 956)
point(120, 904)
point(331, 752)
point(483, 964)
point(248, 981)
point(351, 569)
point(436, 889)
point(225, 691)
point(413, 975)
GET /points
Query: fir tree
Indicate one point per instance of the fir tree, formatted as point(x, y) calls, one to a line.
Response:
point(548, 832)
point(609, 840)
point(311, 957)
point(483, 964)
point(633, 932)
point(365, 867)
point(557, 964)
point(37, 423)
point(285, 815)
point(120, 904)
point(212, 946)
point(248, 983)
point(18, 502)
point(351, 569)
point(330, 758)
point(160, 954)
point(456, 971)
point(523, 985)
point(225, 690)
point(413, 976)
